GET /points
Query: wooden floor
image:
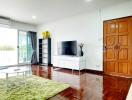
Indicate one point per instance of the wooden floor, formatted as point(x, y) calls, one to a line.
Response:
point(85, 86)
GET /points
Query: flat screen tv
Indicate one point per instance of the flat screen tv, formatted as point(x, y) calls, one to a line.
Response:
point(69, 48)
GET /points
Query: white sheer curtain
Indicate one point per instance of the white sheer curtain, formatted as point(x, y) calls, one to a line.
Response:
point(8, 46)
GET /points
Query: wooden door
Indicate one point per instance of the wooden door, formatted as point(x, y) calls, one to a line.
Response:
point(110, 41)
point(118, 46)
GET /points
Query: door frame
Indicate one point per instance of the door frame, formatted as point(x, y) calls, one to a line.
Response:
point(18, 48)
point(104, 37)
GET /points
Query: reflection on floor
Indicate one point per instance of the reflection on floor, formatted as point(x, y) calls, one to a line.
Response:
point(85, 86)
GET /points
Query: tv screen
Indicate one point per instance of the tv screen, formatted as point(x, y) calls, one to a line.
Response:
point(69, 48)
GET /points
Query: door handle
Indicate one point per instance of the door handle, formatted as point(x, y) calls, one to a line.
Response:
point(104, 48)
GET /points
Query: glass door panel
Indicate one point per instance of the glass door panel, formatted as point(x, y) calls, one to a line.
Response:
point(8, 46)
point(25, 49)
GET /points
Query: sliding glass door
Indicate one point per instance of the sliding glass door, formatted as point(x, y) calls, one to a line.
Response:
point(24, 47)
point(8, 46)
point(15, 47)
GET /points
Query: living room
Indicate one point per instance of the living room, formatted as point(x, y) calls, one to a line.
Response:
point(83, 48)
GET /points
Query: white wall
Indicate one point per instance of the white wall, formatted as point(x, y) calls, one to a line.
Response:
point(86, 28)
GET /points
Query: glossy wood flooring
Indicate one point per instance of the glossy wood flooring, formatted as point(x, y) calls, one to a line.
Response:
point(85, 86)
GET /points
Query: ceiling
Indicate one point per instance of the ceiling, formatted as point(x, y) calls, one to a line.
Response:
point(49, 10)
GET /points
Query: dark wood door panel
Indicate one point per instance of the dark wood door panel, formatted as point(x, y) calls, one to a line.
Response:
point(123, 67)
point(123, 26)
point(111, 40)
point(123, 40)
point(111, 66)
point(130, 68)
point(110, 27)
point(123, 54)
point(111, 54)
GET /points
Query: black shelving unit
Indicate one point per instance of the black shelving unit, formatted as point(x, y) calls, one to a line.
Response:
point(45, 51)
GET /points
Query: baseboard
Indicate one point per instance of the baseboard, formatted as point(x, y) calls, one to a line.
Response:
point(94, 71)
point(87, 71)
point(45, 64)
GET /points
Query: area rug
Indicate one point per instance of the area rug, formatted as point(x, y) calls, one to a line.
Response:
point(30, 88)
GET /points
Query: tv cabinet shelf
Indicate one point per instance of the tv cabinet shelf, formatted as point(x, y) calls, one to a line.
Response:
point(45, 51)
point(69, 62)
